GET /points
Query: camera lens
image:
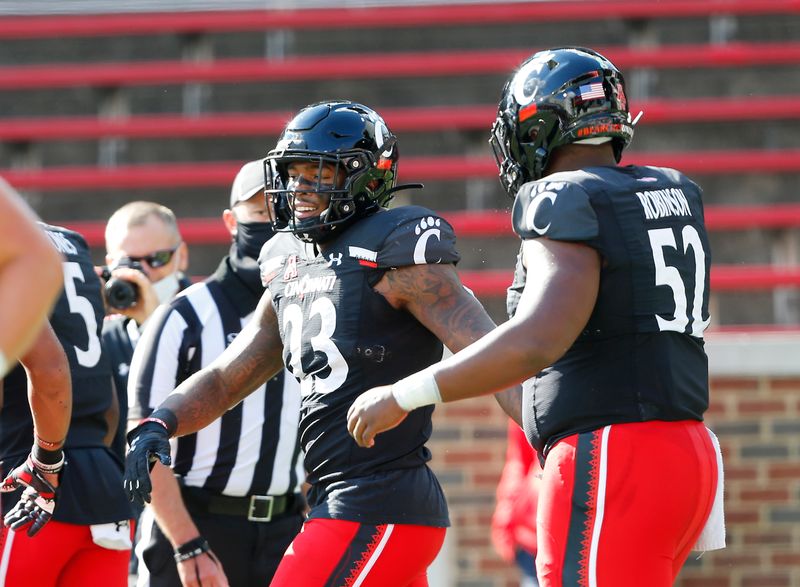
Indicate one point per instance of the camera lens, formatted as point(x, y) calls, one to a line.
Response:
point(121, 294)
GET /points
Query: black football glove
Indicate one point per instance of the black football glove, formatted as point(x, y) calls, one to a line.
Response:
point(149, 442)
point(35, 507)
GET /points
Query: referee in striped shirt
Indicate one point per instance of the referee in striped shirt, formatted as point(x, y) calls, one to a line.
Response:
point(231, 504)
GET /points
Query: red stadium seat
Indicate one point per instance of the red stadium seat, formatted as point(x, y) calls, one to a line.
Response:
point(99, 25)
point(376, 65)
point(410, 119)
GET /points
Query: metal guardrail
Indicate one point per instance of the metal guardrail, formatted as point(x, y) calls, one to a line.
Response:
point(410, 64)
point(410, 119)
point(94, 18)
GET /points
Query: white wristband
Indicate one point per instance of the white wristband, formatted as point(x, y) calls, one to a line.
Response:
point(417, 390)
point(3, 364)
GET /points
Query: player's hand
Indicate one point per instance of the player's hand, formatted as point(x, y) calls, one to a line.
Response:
point(204, 570)
point(35, 507)
point(373, 412)
point(149, 442)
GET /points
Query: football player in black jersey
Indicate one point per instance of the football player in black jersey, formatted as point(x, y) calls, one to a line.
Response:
point(88, 540)
point(357, 295)
point(608, 305)
point(30, 280)
point(50, 402)
point(30, 277)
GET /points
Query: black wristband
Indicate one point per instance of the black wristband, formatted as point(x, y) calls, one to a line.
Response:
point(42, 468)
point(46, 457)
point(168, 417)
point(191, 549)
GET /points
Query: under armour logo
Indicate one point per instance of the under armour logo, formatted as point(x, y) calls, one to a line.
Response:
point(121, 524)
point(123, 369)
point(333, 258)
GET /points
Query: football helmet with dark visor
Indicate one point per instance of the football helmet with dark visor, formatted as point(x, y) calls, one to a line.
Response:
point(557, 97)
point(355, 140)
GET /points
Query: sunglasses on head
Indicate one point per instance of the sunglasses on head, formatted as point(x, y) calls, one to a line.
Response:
point(154, 260)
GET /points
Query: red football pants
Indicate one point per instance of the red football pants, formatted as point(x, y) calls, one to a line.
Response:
point(622, 506)
point(60, 555)
point(338, 553)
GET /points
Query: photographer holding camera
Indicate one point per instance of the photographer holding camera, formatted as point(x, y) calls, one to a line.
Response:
point(146, 258)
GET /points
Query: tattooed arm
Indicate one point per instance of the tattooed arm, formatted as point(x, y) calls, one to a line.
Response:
point(254, 356)
point(435, 296)
point(552, 312)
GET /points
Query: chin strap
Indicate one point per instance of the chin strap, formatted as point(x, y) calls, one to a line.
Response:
point(405, 186)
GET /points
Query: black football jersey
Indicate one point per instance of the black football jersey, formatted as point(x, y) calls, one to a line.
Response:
point(118, 345)
point(91, 469)
point(641, 355)
point(341, 338)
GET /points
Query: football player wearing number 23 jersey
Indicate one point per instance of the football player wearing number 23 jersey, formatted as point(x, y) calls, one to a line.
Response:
point(358, 295)
point(609, 304)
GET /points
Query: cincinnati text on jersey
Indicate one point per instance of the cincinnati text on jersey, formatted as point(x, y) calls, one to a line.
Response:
point(308, 284)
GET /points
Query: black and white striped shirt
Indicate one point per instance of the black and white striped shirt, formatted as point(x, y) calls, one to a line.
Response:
point(253, 448)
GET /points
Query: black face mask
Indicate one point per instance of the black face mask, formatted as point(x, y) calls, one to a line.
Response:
point(251, 236)
point(243, 257)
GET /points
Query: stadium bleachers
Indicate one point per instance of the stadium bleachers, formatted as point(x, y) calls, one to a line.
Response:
point(44, 171)
point(99, 109)
point(375, 65)
point(433, 15)
point(414, 118)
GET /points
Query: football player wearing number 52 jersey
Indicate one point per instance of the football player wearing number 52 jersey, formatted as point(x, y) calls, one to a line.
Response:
point(608, 305)
point(357, 296)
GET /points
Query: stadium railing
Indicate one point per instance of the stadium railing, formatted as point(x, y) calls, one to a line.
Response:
point(440, 168)
point(412, 119)
point(376, 65)
point(100, 25)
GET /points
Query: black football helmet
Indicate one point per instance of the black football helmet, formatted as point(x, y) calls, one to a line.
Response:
point(354, 138)
point(557, 97)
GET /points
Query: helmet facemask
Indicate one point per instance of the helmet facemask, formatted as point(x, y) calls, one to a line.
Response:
point(366, 154)
point(521, 149)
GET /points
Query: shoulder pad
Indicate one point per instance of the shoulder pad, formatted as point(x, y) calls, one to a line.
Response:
point(560, 210)
point(417, 236)
point(68, 242)
point(674, 176)
point(274, 255)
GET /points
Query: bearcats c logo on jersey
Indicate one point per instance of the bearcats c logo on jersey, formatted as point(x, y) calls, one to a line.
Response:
point(430, 227)
point(544, 191)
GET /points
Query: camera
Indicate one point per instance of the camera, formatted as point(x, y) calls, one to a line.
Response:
point(120, 293)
